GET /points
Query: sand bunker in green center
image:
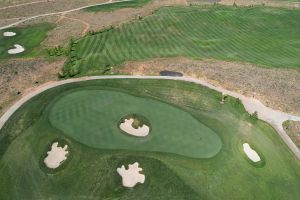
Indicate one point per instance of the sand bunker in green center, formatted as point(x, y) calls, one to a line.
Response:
point(92, 116)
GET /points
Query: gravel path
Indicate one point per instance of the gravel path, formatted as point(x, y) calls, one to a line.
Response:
point(59, 13)
point(273, 117)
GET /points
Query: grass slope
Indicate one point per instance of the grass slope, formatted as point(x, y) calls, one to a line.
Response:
point(117, 5)
point(260, 35)
point(29, 37)
point(90, 173)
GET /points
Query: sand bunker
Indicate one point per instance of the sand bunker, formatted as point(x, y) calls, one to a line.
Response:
point(56, 156)
point(252, 155)
point(18, 49)
point(9, 34)
point(126, 126)
point(132, 176)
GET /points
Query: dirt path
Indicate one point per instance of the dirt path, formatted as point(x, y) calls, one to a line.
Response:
point(87, 25)
point(24, 4)
point(58, 13)
point(273, 117)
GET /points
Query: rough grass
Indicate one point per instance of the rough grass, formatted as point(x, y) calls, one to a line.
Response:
point(91, 173)
point(260, 35)
point(30, 38)
point(117, 5)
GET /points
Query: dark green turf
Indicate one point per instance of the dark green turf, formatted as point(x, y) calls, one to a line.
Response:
point(117, 5)
point(260, 35)
point(29, 37)
point(90, 172)
point(91, 116)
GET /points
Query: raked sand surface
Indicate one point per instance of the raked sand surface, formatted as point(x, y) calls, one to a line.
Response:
point(18, 49)
point(56, 156)
point(252, 154)
point(9, 34)
point(271, 116)
point(126, 126)
point(131, 176)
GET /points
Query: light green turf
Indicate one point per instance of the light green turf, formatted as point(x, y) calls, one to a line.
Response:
point(259, 35)
point(92, 117)
point(90, 173)
point(117, 5)
point(29, 37)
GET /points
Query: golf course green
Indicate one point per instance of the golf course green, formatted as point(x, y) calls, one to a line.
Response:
point(194, 150)
point(91, 117)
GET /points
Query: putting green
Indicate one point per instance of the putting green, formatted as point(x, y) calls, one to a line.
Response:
point(91, 116)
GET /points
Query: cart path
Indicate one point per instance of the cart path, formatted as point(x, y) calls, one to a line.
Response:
point(274, 117)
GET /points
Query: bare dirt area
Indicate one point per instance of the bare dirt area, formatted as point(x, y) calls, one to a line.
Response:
point(20, 76)
point(43, 7)
point(276, 88)
point(65, 29)
point(273, 3)
point(293, 130)
point(76, 24)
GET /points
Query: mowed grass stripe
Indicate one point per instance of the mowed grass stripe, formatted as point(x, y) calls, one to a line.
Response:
point(259, 35)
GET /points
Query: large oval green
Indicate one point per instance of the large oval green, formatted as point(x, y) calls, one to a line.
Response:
point(91, 116)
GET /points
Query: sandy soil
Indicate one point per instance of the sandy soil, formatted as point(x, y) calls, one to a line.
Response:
point(9, 34)
point(78, 23)
point(280, 89)
point(274, 3)
point(293, 130)
point(43, 7)
point(17, 49)
point(20, 76)
point(56, 156)
point(126, 126)
point(252, 154)
point(131, 176)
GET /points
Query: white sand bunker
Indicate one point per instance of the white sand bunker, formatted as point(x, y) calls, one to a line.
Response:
point(132, 176)
point(127, 127)
point(9, 34)
point(56, 156)
point(18, 49)
point(252, 155)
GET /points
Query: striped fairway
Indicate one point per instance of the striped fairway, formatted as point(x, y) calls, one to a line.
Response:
point(260, 35)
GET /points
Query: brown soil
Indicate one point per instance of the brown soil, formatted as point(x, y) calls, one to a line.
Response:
point(66, 28)
point(45, 7)
point(276, 88)
point(20, 76)
point(77, 23)
point(273, 3)
point(293, 130)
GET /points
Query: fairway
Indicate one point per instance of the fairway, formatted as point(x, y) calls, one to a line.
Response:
point(85, 115)
point(260, 35)
point(92, 116)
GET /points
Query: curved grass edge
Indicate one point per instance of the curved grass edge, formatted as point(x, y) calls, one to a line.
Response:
point(141, 119)
point(64, 164)
point(259, 164)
